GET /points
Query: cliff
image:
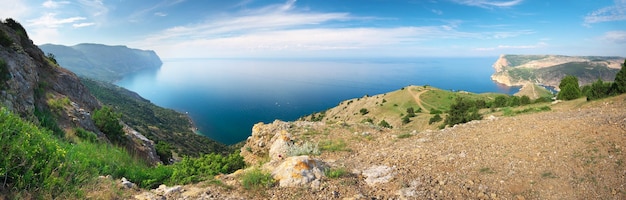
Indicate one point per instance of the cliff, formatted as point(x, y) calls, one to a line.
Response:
point(103, 62)
point(548, 70)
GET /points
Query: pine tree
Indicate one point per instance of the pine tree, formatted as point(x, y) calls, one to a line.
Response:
point(569, 88)
point(619, 86)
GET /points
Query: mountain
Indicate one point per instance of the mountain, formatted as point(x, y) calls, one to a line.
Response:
point(102, 62)
point(548, 70)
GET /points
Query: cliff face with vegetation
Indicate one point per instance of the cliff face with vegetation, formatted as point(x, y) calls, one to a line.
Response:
point(548, 70)
point(103, 62)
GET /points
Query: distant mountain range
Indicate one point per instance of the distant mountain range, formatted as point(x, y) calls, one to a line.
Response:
point(102, 62)
point(548, 70)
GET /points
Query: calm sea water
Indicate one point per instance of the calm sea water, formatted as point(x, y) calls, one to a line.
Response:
point(225, 98)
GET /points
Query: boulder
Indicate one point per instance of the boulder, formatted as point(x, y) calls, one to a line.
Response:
point(378, 174)
point(299, 171)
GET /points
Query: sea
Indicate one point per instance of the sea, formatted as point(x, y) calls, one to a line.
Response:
point(226, 97)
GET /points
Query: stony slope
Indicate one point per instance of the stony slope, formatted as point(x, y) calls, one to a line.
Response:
point(574, 151)
point(548, 70)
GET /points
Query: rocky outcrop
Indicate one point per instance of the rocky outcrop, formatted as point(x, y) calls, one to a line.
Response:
point(142, 146)
point(32, 80)
point(103, 62)
point(548, 70)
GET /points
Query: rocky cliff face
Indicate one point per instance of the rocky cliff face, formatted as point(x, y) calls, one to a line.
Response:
point(519, 70)
point(32, 83)
point(103, 62)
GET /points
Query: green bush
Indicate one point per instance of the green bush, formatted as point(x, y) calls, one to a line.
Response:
point(514, 101)
point(257, 179)
point(597, 90)
point(569, 88)
point(86, 135)
point(109, 123)
point(406, 119)
point(384, 124)
point(619, 85)
point(462, 111)
point(500, 101)
point(364, 111)
point(434, 119)
point(164, 150)
point(191, 170)
point(435, 112)
point(524, 100)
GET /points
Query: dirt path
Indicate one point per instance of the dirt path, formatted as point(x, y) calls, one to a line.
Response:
point(416, 96)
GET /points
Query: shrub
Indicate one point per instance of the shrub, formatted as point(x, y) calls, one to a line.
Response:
point(109, 123)
point(514, 101)
point(164, 150)
point(462, 111)
point(569, 88)
point(435, 119)
point(368, 120)
point(384, 124)
point(86, 135)
point(192, 170)
point(364, 111)
point(524, 100)
point(598, 90)
point(410, 112)
point(306, 148)
point(406, 119)
point(257, 179)
point(435, 112)
point(500, 101)
point(5, 40)
point(619, 85)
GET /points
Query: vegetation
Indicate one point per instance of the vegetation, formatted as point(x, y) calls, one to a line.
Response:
point(4, 74)
point(511, 112)
point(164, 150)
point(384, 124)
point(333, 146)
point(192, 170)
point(364, 111)
point(569, 88)
point(157, 123)
point(436, 118)
point(597, 90)
point(257, 179)
point(306, 148)
point(85, 135)
point(5, 40)
point(619, 86)
point(335, 173)
point(461, 112)
point(109, 123)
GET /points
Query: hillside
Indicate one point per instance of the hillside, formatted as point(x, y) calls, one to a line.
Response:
point(548, 70)
point(574, 150)
point(102, 62)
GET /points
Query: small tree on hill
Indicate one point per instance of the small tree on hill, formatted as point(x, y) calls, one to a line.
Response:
point(109, 123)
point(462, 111)
point(619, 86)
point(384, 124)
point(524, 100)
point(499, 102)
point(569, 88)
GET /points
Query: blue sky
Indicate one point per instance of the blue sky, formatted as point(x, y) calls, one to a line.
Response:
point(331, 28)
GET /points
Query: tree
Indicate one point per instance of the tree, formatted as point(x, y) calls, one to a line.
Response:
point(364, 111)
point(499, 102)
point(434, 119)
point(109, 123)
point(569, 88)
point(462, 111)
point(410, 112)
point(524, 100)
point(514, 101)
point(598, 90)
point(384, 124)
point(406, 119)
point(619, 85)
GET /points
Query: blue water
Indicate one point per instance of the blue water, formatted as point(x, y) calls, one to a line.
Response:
point(225, 98)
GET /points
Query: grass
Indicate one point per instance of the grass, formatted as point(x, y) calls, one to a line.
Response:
point(486, 170)
point(548, 175)
point(335, 173)
point(334, 146)
point(510, 112)
point(404, 135)
point(256, 179)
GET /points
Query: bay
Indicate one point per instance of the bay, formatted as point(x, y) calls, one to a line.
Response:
point(226, 97)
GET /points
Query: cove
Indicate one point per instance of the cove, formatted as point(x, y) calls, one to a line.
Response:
point(226, 97)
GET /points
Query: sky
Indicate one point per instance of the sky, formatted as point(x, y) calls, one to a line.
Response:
point(330, 28)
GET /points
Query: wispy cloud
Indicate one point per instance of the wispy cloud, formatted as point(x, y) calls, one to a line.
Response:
point(615, 12)
point(85, 24)
point(489, 3)
point(50, 20)
point(95, 7)
point(615, 36)
point(13, 9)
point(160, 14)
point(54, 4)
point(438, 12)
point(137, 16)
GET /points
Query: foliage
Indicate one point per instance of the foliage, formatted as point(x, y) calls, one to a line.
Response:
point(384, 124)
point(333, 146)
point(109, 123)
point(514, 101)
point(410, 112)
point(335, 173)
point(164, 150)
point(157, 123)
point(435, 112)
point(524, 100)
point(47, 120)
point(191, 170)
point(619, 85)
point(52, 58)
point(364, 111)
point(461, 112)
point(500, 101)
point(257, 179)
point(406, 119)
point(511, 112)
point(86, 135)
point(404, 135)
point(569, 88)
point(436, 118)
point(368, 120)
point(318, 117)
point(57, 104)
point(597, 90)
point(5, 40)
point(32, 160)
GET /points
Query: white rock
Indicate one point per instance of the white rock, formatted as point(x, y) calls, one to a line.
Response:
point(127, 184)
point(378, 174)
point(299, 171)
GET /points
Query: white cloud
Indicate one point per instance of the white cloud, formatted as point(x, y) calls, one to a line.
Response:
point(54, 4)
point(615, 36)
point(80, 25)
point(489, 3)
point(438, 12)
point(615, 12)
point(13, 9)
point(51, 21)
point(94, 7)
point(160, 14)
